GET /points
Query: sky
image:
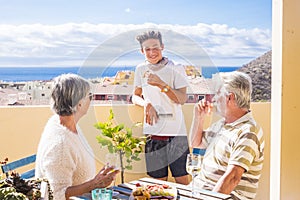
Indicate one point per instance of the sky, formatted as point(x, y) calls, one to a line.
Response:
point(71, 33)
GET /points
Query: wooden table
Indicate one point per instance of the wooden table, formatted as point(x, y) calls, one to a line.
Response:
point(183, 191)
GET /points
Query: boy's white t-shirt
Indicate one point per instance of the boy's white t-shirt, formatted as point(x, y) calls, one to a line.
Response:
point(171, 120)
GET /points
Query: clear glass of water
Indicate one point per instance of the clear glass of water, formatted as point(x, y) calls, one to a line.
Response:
point(113, 160)
point(193, 167)
point(101, 194)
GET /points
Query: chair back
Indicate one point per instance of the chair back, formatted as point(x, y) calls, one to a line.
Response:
point(20, 163)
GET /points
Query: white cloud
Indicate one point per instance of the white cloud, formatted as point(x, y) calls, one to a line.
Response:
point(128, 10)
point(71, 44)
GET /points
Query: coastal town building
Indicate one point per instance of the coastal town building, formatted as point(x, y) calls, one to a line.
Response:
point(124, 77)
point(116, 89)
point(25, 93)
point(197, 90)
point(119, 89)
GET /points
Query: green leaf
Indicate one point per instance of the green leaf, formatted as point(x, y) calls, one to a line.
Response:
point(119, 127)
point(103, 141)
point(129, 132)
point(100, 125)
point(129, 167)
point(137, 152)
point(111, 149)
point(111, 115)
point(136, 159)
point(128, 150)
point(107, 133)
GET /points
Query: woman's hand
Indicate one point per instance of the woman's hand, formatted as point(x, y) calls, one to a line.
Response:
point(105, 177)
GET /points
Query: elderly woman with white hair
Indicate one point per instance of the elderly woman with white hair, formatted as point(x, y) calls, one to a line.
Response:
point(64, 156)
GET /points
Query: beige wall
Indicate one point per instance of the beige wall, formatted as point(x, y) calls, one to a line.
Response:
point(290, 134)
point(21, 128)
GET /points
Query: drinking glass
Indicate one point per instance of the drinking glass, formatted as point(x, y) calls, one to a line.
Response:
point(193, 167)
point(113, 159)
point(101, 194)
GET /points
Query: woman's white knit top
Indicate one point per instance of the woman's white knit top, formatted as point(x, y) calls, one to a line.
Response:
point(64, 158)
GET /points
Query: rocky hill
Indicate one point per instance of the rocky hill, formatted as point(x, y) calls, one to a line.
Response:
point(260, 71)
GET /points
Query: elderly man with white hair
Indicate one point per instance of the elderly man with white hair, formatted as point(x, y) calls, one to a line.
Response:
point(234, 145)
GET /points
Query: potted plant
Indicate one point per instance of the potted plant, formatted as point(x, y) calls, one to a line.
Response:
point(12, 186)
point(119, 140)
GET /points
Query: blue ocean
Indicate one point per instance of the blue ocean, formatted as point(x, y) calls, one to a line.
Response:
point(19, 74)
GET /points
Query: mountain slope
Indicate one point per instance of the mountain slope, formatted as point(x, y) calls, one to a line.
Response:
point(260, 70)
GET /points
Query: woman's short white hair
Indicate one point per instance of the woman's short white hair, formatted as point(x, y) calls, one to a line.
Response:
point(67, 91)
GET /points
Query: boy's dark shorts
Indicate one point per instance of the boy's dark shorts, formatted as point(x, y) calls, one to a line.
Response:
point(168, 152)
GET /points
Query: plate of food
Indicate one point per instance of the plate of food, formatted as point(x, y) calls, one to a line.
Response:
point(153, 191)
